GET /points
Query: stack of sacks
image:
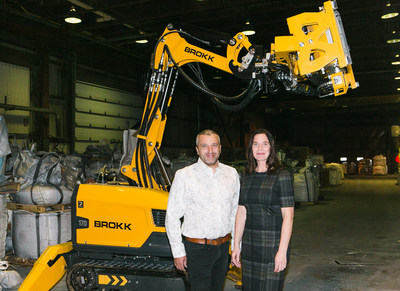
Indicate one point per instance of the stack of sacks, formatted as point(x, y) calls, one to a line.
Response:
point(379, 165)
point(335, 173)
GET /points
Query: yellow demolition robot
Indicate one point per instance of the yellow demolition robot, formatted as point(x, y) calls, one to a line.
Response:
point(118, 232)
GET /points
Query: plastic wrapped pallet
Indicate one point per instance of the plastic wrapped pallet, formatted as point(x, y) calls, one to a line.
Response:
point(304, 186)
point(379, 165)
point(379, 160)
point(32, 232)
point(335, 173)
point(300, 188)
point(379, 170)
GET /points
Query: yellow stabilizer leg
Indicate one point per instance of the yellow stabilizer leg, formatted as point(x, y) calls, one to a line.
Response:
point(44, 277)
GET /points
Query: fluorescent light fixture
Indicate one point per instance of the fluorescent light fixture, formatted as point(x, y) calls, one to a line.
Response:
point(141, 41)
point(249, 32)
point(396, 63)
point(343, 159)
point(397, 78)
point(72, 16)
point(389, 12)
point(359, 159)
point(394, 38)
point(248, 29)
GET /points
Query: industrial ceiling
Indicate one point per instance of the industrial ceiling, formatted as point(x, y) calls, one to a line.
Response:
point(117, 24)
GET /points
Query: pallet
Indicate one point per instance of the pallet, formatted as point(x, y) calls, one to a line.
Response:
point(12, 187)
point(16, 261)
point(39, 208)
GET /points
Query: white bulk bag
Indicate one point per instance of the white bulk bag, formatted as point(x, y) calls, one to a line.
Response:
point(32, 232)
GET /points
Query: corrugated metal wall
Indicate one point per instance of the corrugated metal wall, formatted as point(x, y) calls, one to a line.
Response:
point(100, 113)
point(15, 90)
point(103, 113)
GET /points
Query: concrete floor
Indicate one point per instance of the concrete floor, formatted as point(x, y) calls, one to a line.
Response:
point(350, 240)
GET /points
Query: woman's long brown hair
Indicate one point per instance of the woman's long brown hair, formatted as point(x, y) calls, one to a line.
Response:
point(272, 161)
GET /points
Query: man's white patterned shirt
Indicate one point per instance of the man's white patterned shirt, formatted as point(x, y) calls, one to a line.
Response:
point(207, 201)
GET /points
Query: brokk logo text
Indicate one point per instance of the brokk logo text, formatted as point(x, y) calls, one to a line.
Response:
point(199, 54)
point(111, 224)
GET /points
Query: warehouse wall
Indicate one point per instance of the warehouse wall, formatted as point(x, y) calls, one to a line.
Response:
point(15, 90)
point(103, 113)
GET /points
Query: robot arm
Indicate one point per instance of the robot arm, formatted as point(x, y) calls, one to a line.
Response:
point(313, 60)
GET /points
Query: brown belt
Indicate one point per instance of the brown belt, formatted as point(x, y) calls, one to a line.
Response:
point(214, 242)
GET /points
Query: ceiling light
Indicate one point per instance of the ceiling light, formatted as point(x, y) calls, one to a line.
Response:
point(141, 41)
point(248, 29)
point(249, 32)
point(397, 78)
point(394, 37)
point(396, 63)
point(398, 89)
point(389, 12)
point(72, 16)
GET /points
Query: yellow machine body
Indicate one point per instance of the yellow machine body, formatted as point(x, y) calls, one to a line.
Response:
point(116, 216)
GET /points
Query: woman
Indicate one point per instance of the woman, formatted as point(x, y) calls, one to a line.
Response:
point(264, 218)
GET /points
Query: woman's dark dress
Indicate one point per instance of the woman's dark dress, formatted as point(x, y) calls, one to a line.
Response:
point(263, 195)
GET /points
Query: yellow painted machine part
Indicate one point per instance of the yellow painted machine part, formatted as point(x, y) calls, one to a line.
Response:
point(320, 25)
point(43, 277)
point(127, 205)
point(182, 52)
point(114, 280)
point(316, 49)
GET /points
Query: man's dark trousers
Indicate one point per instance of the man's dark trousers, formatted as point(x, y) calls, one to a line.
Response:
point(207, 265)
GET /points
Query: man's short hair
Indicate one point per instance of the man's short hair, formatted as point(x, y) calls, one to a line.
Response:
point(206, 132)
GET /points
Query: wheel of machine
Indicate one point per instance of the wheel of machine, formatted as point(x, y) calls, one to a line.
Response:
point(81, 278)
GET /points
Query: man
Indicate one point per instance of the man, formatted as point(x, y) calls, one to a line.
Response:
point(206, 195)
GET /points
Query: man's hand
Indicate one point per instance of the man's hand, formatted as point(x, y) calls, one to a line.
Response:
point(181, 263)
